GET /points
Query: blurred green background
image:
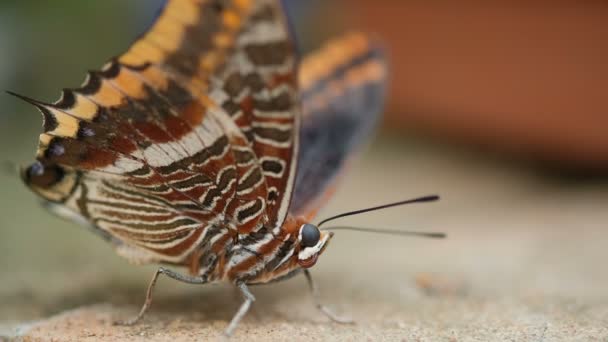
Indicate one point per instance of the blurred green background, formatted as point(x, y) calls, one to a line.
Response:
point(45, 46)
point(510, 201)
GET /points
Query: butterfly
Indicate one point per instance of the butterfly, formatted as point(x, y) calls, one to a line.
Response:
point(211, 144)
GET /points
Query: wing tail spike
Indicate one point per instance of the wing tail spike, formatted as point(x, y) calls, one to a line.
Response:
point(49, 120)
point(27, 99)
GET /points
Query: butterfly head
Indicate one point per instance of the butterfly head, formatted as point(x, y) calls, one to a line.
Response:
point(311, 243)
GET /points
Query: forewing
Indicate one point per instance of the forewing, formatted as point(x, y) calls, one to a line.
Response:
point(343, 88)
point(146, 149)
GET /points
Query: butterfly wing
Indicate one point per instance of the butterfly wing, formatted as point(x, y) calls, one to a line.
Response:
point(343, 88)
point(188, 139)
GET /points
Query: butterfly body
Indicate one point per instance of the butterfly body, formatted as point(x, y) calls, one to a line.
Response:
point(209, 145)
point(259, 257)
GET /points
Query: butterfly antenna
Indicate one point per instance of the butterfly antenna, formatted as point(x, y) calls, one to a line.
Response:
point(431, 198)
point(389, 232)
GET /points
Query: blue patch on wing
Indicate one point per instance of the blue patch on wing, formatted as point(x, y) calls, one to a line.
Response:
point(329, 135)
point(290, 8)
point(159, 10)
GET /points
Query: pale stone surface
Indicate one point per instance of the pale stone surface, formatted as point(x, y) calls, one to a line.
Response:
point(525, 261)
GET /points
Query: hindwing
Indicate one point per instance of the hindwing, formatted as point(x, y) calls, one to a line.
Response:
point(342, 91)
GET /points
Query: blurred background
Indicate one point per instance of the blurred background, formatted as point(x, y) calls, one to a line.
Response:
point(499, 106)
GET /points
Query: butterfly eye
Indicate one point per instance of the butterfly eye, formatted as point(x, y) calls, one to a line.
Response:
point(310, 235)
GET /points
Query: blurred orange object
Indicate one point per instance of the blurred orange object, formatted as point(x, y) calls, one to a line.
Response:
point(525, 77)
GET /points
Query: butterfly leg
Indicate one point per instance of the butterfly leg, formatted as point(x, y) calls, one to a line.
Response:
point(170, 274)
point(317, 300)
point(249, 298)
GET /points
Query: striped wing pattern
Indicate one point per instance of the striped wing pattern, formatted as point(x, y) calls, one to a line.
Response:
point(188, 139)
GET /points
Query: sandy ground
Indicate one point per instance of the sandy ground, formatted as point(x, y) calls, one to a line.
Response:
point(525, 261)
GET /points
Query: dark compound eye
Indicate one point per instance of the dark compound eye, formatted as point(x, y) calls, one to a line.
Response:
point(310, 235)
